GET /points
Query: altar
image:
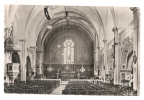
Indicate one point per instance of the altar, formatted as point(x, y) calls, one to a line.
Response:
point(66, 76)
point(67, 72)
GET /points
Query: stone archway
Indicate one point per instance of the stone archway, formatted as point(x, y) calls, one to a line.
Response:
point(28, 67)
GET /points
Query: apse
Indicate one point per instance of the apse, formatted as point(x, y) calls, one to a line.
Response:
point(70, 47)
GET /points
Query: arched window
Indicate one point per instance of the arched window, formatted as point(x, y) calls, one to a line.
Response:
point(68, 52)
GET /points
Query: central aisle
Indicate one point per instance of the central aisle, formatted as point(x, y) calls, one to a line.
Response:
point(59, 89)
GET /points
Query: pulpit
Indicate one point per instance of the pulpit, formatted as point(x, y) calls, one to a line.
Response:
point(13, 71)
point(12, 45)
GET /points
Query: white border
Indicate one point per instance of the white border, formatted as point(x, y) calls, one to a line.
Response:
point(128, 3)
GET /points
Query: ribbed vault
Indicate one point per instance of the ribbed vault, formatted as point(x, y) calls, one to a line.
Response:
point(30, 21)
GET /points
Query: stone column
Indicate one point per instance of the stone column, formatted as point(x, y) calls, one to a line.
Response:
point(34, 60)
point(105, 56)
point(98, 58)
point(40, 64)
point(95, 66)
point(117, 57)
point(40, 54)
point(23, 62)
point(8, 56)
point(136, 46)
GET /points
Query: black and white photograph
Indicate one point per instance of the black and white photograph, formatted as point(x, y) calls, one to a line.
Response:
point(71, 50)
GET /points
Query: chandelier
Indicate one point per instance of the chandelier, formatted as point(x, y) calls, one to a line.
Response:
point(82, 69)
point(50, 69)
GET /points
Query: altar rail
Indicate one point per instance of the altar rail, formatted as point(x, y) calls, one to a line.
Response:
point(48, 79)
point(89, 80)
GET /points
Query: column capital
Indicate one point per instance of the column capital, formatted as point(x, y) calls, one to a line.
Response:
point(114, 29)
point(104, 40)
point(134, 9)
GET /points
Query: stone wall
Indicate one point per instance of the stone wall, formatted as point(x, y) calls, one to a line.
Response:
point(82, 50)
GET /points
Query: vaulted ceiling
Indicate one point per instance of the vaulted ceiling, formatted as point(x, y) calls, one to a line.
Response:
point(29, 20)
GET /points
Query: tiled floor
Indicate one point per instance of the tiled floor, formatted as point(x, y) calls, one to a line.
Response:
point(59, 89)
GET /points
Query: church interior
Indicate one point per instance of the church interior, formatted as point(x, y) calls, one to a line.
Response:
point(71, 50)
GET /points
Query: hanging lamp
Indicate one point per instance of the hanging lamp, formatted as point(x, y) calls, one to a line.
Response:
point(49, 26)
point(48, 16)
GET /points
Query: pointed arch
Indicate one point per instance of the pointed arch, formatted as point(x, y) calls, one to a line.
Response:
point(113, 15)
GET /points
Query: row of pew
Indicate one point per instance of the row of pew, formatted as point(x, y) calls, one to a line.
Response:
point(88, 88)
point(32, 87)
point(120, 89)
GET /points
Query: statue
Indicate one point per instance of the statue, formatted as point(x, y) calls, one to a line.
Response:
point(134, 58)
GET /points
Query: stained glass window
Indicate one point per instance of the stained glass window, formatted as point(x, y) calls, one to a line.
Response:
point(68, 52)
